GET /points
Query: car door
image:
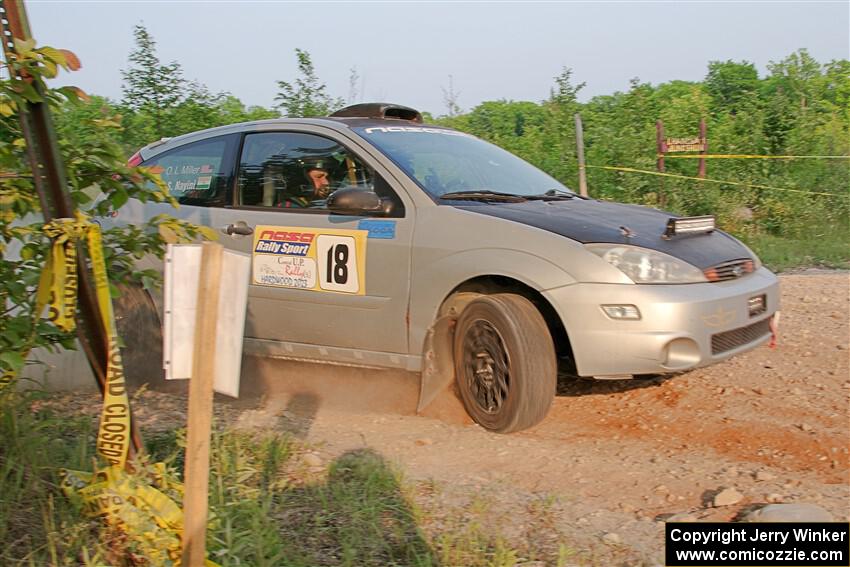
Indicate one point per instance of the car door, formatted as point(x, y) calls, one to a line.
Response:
point(319, 278)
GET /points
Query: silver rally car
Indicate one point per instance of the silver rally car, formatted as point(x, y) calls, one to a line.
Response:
point(378, 241)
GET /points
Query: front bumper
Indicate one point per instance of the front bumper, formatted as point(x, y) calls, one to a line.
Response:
point(681, 326)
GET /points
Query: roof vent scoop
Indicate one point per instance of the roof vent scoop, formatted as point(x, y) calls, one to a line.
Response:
point(379, 110)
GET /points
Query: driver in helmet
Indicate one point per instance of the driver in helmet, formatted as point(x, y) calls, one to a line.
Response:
point(317, 171)
point(318, 184)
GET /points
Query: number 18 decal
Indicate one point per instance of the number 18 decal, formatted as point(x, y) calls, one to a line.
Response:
point(337, 259)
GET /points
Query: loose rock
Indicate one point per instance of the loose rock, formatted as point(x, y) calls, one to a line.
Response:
point(312, 460)
point(764, 476)
point(727, 497)
point(801, 512)
point(682, 517)
point(611, 538)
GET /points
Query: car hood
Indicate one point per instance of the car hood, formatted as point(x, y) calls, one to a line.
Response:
point(587, 220)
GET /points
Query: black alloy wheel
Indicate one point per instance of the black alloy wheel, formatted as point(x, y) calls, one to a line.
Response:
point(505, 364)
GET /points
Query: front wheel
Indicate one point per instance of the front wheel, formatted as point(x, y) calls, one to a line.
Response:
point(505, 364)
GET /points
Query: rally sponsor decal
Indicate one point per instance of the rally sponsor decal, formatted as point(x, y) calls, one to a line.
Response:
point(203, 182)
point(185, 174)
point(381, 229)
point(315, 259)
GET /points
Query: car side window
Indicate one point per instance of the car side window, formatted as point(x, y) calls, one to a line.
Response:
point(197, 173)
point(297, 171)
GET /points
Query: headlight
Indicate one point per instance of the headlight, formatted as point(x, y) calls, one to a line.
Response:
point(646, 266)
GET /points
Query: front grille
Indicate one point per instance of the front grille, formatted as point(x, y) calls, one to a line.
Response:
point(722, 342)
point(729, 270)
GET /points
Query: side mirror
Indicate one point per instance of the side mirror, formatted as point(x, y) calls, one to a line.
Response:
point(354, 201)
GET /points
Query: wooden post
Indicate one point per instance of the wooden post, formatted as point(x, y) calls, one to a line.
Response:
point(582, 172)
point(50, 183)
point(661, 147)
point(704, 140)
point(201, 408)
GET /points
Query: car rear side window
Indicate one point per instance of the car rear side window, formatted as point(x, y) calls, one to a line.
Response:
point(197, 173)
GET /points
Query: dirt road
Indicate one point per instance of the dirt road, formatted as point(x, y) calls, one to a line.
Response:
point(613, 459)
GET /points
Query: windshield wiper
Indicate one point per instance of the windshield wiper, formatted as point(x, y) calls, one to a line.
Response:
point(552, 195)
point(483, 195)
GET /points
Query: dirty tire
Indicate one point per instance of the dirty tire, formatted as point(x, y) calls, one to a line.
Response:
point(138, 325)
point(505, 365)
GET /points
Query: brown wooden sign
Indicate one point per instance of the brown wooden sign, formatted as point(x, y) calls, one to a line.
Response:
point(684, 145)
point(666, 145)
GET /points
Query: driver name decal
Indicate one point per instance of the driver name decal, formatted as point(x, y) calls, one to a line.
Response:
point(324, 260)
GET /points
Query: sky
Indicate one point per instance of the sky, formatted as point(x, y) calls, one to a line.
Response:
point(404, 52)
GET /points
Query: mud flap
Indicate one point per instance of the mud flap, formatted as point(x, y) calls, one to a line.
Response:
point(774, 330)
point(438, 370)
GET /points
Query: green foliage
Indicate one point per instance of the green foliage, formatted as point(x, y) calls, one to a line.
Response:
point(825, 247)
point(159, 103)
point(99, 182)
point(731, 86)
point(38, 525)
point(150, 85)
point(801, 108)
point(266, 508)
point(307, 95)
point(358, 517)
point(245, 482)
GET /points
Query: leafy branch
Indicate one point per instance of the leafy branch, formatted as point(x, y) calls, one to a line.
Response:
point(99, 182)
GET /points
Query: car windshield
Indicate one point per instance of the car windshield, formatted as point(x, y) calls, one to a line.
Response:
point(451, 163)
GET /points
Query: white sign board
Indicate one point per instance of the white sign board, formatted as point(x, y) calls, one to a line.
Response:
point(182, 271)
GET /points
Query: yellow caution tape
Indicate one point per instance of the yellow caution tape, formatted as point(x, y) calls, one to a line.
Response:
point(151, 520)
point(113, 436)
point(744, 156)
point(57, 288)
point(706, 180)
point(6, 378)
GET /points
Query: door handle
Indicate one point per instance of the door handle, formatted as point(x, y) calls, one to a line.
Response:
point(240, 227)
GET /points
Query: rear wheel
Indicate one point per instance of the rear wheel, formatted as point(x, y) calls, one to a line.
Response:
point(138, 325)
point(505, 364)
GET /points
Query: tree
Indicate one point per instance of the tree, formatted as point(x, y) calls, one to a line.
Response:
point(565, 93)
point(307, 96)
point(353, 90)
point(99, 182)
point(450, 97)
point(731, 85)
point(559, 133)
point(149, 85)
point(233, 110)
point(198, 110)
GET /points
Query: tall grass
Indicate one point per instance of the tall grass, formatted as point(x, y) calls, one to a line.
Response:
point(38, 525)
point(357, 516)
point(267, 508)
point(824, 248)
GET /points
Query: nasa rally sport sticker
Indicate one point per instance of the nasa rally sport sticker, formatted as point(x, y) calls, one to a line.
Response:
point(315, 259)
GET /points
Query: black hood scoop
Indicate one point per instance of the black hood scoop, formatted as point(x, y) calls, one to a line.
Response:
point(587, 220)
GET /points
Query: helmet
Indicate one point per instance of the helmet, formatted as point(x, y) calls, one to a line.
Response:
point(317, 163)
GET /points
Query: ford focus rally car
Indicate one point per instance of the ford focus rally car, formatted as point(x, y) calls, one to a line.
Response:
point(378, 241)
